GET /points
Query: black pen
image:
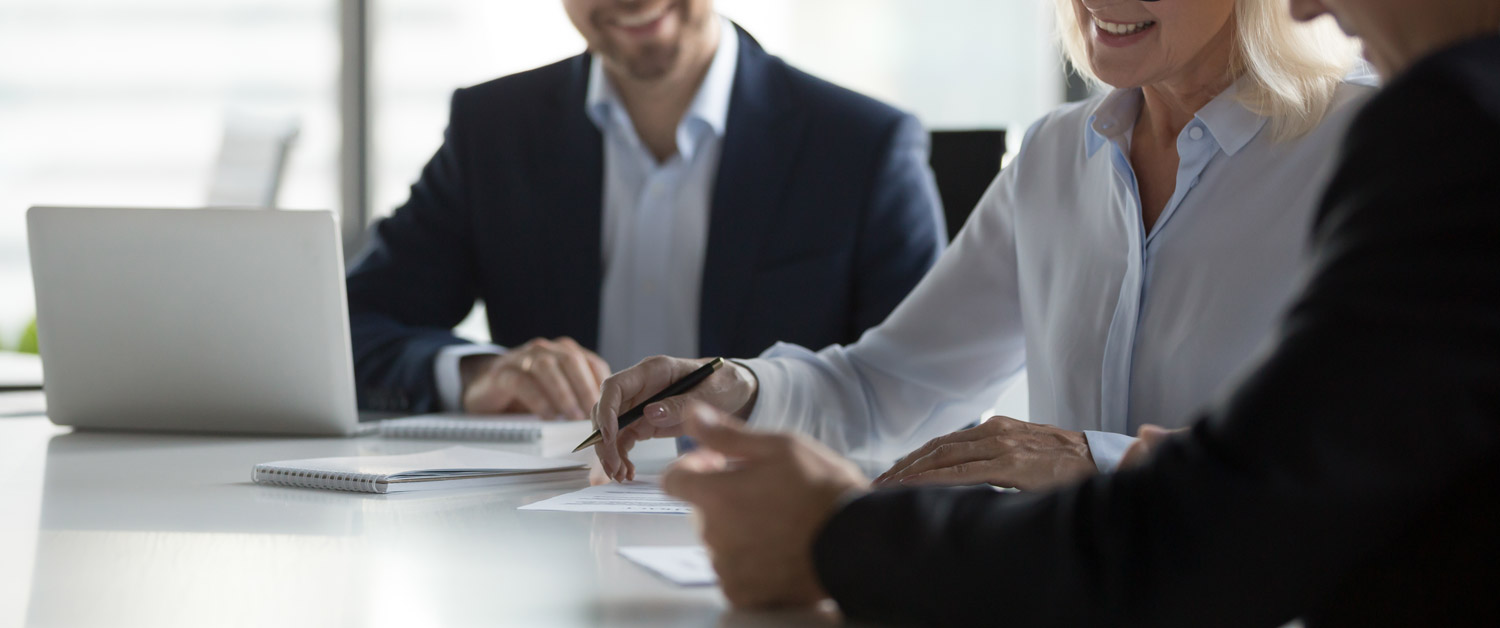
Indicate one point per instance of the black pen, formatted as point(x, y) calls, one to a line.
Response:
point(680, 386)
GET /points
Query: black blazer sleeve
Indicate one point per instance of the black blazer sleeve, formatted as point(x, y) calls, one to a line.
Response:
point(413, 283)
point(1351, 476)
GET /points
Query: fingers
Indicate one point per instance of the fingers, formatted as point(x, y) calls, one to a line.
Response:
point(547, 372)
point(628, 388)
point(628, 438)
point(623, 391)
point(562, 369)
point(907, 460)
point(963, 474)
point(667, 412)
point(971, 434)
point(488, 395)
point(1147, 440)
point(1153, 435)
point(551, 379)
point(530, 396)
point(947, 455)
point(624, 468)
point(605, 420)
point(600, 369)
point(581, 380)
point(585, 371)
point(692, 476)
point(716, 431)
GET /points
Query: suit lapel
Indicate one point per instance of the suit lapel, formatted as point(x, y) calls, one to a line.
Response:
point(761, 136)
point(572, 173)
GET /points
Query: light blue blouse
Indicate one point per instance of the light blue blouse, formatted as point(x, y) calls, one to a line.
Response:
point(1055, 274)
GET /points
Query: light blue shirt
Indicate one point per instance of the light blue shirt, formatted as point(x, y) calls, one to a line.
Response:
point(654, 227)
point(1056, 274)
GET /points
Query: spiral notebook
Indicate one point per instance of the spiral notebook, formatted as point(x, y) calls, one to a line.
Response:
point(499, 427)
point(454, 467)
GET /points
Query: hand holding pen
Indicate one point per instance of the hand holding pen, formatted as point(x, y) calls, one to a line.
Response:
point(731, 388)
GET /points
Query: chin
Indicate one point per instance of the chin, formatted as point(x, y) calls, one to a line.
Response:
point(1118, 79)
point(1121, 71)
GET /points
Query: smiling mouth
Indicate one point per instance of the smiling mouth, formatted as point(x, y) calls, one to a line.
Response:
point(642, 19)
point(1123, 29)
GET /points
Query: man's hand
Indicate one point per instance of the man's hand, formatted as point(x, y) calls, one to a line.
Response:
point(1146, 442)
point(1001, 451)
point(760, 500)
point(553, 379)
point(731, 389)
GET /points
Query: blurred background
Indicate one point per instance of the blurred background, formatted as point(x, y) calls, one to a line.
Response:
point(159, 102)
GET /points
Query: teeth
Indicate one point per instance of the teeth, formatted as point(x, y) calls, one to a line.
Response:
point(641, 19)
point(1123, 29)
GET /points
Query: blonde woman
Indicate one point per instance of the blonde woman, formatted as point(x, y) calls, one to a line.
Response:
point(1130, 259)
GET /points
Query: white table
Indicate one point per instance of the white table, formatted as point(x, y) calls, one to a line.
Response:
point(111, 529)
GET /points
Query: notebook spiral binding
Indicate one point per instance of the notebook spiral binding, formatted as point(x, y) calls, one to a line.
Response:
point(461, 430)
point(308, 478)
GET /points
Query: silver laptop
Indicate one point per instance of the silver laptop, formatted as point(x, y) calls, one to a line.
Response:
point(193, 320)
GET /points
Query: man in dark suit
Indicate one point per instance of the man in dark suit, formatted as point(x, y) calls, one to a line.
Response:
point(675, 190)
point(1350, 479)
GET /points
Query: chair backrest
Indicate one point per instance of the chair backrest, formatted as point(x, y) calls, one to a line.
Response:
point(964, 163)
point(251, 160)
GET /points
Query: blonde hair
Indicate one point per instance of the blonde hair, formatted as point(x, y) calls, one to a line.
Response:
point(1294, 68)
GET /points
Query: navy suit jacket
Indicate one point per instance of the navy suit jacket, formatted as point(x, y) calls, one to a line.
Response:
point(824, 215)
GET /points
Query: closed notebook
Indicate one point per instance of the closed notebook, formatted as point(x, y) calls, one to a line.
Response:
point(506, 427)
point(454, 467)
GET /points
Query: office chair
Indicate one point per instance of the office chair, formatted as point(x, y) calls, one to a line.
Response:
point(964, 163)
point(252, 159)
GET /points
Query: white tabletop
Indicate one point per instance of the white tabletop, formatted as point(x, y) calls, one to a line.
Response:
point(111, 529)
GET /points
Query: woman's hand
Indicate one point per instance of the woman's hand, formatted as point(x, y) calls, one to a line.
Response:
point(731, 390)
point(1001, 451)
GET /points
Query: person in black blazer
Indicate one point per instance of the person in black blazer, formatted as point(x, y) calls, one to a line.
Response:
point(1349, 478)
point(822, 216)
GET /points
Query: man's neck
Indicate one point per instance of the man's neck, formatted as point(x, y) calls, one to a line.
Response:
point(657, 106)
point(1428, 31)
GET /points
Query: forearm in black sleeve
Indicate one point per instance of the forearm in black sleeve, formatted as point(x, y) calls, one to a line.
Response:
point(1378, 404)
point(413, 282)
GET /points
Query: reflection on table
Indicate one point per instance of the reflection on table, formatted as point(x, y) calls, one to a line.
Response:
point(163, 530)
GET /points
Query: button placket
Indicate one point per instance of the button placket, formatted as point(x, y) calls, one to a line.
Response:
point(1119, 344)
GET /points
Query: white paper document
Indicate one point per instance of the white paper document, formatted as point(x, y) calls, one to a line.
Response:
point(687, 565)
point(636, 497)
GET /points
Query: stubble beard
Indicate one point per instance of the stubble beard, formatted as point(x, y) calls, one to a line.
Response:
point(656, 61)
point(653, 62)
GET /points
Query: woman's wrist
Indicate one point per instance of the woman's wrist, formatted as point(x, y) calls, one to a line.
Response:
point(748, 385)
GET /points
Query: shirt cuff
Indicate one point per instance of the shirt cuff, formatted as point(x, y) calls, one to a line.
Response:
point(768, 393)
point(450, 384)
point(1107, 448)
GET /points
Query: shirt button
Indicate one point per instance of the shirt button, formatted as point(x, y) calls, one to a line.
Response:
point(1196, 133)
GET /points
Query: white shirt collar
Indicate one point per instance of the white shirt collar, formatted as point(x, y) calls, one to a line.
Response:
point(710, 107)
point(1228, 120)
